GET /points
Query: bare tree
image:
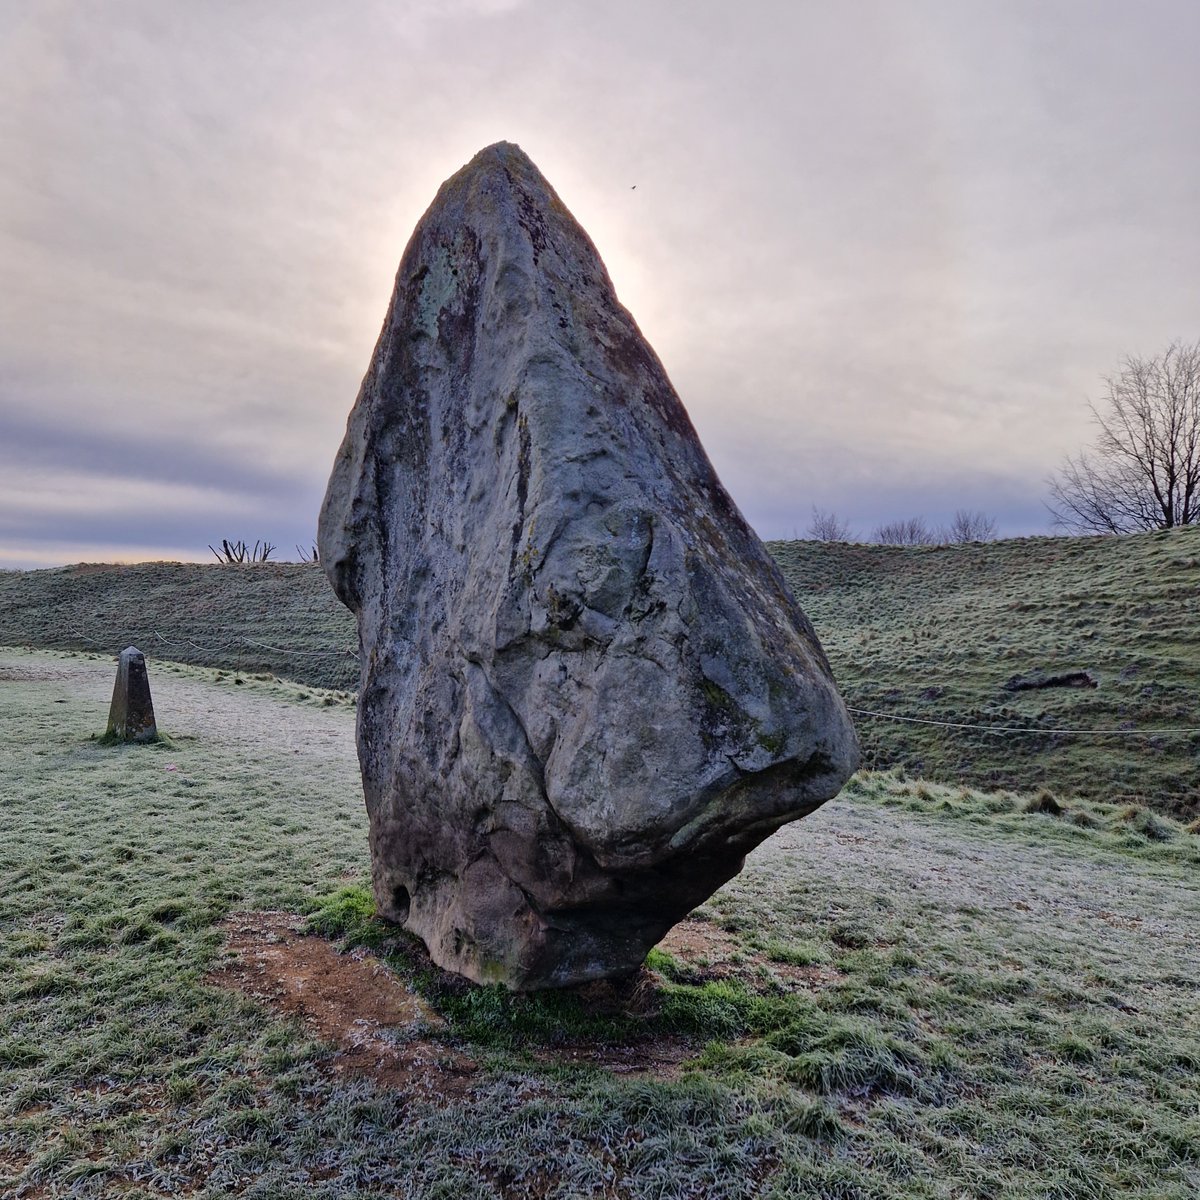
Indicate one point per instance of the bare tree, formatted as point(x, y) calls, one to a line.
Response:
point(828, 527)
point(911, 531)
point(239, 552)
point(1144, 470)
point(969, 525)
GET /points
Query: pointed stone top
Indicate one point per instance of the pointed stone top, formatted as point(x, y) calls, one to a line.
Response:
point(500, 154)
point(502, 200)
point(502, 151)
point(505, 159)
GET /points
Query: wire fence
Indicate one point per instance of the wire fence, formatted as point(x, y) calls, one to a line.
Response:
point(1152, 732)
point(223, 647)
point(235, 644)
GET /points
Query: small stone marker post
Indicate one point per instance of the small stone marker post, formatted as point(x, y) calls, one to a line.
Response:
point(131, 717)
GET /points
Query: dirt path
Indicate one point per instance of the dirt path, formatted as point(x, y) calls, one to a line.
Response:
point(189, 704)
point(1023, 888)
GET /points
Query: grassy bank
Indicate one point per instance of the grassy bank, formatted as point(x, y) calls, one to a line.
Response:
point(917, 992)
point(937, 632)
point(278, 618)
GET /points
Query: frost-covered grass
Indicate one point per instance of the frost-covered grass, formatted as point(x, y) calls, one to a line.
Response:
point(1002, 1003)
point(253, 618)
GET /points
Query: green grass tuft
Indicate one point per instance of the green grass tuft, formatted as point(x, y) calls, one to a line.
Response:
point(667, 965)
point(795, 954)
point(347, 914)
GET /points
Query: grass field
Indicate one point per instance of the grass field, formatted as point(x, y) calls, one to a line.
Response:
point(920, 991)
point(929, 632)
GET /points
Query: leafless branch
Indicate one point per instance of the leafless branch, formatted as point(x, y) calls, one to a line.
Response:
point(827, 526)
point(911, 531)
point(1143, 471)
point(969, 525)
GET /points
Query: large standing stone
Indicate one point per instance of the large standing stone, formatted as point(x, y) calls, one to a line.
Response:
point(586, 690)
point(131, 715)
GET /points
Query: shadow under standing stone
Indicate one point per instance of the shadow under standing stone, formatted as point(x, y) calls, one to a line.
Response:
point(131, 717)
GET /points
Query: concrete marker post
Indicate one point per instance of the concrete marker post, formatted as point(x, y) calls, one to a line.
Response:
point(131, 716)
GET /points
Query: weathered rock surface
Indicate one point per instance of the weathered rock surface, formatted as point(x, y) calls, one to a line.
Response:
point(131, 714)
point(586, 690)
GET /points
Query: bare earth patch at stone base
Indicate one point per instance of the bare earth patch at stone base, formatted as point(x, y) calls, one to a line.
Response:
point(381, 1029)
point(661, 1059)
point(385, 1031)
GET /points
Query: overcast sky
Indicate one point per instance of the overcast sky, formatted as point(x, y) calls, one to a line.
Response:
point(887, 250)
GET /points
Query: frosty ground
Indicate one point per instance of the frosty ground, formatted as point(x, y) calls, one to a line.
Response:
point(921, 990)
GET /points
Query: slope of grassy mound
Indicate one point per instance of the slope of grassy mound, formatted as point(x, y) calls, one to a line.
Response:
point(937, 633)
point(278, 618)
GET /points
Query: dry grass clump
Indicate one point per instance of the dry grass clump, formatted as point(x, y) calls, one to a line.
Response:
point(1148, 824)
point(1131, 830)
point(1043, 801)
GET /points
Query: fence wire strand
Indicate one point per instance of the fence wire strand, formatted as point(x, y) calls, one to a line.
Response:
point(866, 712)
point(861, 712)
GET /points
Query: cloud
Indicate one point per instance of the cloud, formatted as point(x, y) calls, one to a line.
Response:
point(886, 252)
